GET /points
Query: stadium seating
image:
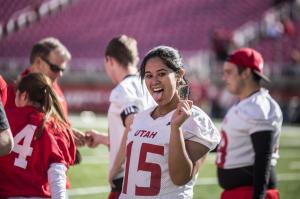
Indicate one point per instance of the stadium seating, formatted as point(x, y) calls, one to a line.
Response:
point(86, 26)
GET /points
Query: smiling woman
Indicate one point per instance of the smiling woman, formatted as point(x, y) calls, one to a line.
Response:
point(174, 126)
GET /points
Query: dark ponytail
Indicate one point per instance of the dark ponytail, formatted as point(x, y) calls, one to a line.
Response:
point(41, 95)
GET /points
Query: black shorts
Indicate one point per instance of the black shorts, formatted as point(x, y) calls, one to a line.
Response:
point(233, 178)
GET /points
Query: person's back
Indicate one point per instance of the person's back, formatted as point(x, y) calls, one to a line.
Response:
point(126, 99)
point(44, 147)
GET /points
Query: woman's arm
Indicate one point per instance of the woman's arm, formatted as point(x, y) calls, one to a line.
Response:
point(6, 139)
point(6, 142)
point(189, 157)
point(186, 156)
point(57, 180)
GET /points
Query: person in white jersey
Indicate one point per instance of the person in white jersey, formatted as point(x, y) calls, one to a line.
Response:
point(167, 143)
point(127, 98)
point(247, 154)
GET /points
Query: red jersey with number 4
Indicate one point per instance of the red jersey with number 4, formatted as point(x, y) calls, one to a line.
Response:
point(24, 171)
point(11, 94)
point(3, 90)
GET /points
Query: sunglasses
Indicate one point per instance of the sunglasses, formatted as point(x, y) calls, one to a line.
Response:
point(54, 68)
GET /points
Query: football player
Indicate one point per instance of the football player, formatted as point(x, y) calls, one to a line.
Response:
point(126, 99)
point(248, 152)
point(167, 143)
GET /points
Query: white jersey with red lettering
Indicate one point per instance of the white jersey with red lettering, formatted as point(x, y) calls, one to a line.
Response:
point(258, 112)
point(129, 96)
point(146, 172)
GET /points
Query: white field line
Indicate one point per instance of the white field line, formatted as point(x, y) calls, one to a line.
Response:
point(88, 123)
point(200, 181)
point(100, 121)
point(103, 158)
point(94, 160)
point(91, 160)
point(294, 165)
point(88, 190)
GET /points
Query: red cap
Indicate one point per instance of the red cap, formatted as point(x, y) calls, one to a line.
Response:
point(249, 58)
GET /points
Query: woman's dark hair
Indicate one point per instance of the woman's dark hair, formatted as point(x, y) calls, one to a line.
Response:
point(172, 59)
point(40, 93)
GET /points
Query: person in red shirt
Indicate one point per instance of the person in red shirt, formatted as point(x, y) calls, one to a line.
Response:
point(3, 90)
point(6, 140)
point(50, 57)
point(44, 146)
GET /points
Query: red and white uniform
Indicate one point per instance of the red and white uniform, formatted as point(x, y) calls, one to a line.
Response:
point(3, 90)
point(24, 171)
point(127, 94)
point(258, 112)
point(147, 172)
point(11, 94)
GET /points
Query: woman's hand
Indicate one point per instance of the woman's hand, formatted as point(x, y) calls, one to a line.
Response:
point(183, 111)
point(93, 138)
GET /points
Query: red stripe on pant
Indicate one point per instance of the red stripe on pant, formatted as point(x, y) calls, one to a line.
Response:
point(246, 193)
point(114, 195)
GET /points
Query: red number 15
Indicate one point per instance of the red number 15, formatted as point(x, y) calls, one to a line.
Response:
point(153, 168)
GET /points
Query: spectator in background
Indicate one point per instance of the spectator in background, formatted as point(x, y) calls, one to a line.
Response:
point(44, 146)
point(289, 26)
point(293, 110)
point(248, 152)
point(167, 143)
point(272, 26)
point(222, 43)
point(6, 139)
point(280, 2)
point(50, 57)
point(292, 69)
point(126, 99)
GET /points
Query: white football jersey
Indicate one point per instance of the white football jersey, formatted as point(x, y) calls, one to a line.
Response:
point(127, 94)
point(146, 170)
point(259, 112)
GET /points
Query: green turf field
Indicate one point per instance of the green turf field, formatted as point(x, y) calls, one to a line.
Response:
point(88, 180)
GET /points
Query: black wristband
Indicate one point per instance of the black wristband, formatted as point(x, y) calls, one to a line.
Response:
point(127, 111)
